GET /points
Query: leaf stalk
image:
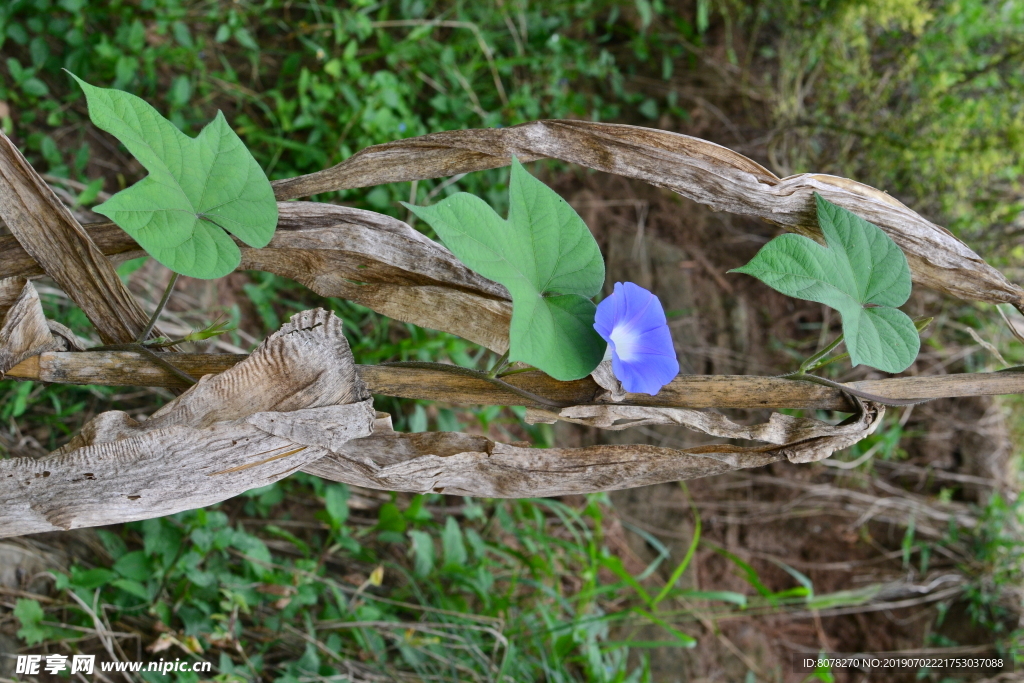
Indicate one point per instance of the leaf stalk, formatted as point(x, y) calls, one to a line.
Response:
point(159, 308)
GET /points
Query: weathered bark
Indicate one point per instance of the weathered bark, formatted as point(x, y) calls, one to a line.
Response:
point(24, 330)
point(702, 171)
point(366, 257)
point(247, 427)
point(466, 465)
point(52, 236)
point(125, 368)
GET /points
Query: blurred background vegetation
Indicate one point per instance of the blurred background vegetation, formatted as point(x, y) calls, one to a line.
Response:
point(307, 581)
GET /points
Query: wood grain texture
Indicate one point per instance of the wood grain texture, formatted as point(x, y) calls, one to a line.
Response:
point(119, 368)
point(468, 465)
point(699, 170)
point(366, 257)
point(51, 236)
point(424, 463)
point(24, 330)
point(279, 409)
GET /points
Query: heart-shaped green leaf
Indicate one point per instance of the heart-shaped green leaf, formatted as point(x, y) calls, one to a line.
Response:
point(196, 188)
point(546, 257)
point(862, 274)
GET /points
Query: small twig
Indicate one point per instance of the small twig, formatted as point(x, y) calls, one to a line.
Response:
point(448, 182)
point(412, 201)
point(852, 464)
point(1013, 328)
point(73, 184)
point(988, 346)
point(101, 630)
point(260, 462)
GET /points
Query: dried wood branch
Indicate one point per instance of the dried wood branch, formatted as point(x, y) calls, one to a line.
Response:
point(52, 236)
point(366, 257)
point(23, 326)
point(298, 402)
point(278, 410)
point(699, 170)
point(466, 465)
point(24, 330)
point(124, 368)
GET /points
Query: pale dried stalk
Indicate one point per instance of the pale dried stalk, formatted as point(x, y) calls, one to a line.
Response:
point(280, 409)
point(466, 465)
point(699, 170)
point(298, 402)
point(127, 368)
point(48, 231)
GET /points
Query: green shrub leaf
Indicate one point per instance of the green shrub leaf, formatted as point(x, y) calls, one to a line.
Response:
point(423, 552)
point(196, 188)
point(453, 545)
point(546, 257)
point(29, 613)
point(862, 274)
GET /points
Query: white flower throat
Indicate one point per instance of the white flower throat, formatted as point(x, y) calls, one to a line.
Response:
point(626, 340)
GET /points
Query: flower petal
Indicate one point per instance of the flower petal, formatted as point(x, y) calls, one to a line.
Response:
point(608, 313)
point(647, 374)
point(633, 323)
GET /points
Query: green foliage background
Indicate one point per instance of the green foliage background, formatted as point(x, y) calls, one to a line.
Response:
point(922, 99)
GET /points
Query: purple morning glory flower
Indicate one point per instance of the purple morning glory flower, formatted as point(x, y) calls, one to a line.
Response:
point(633, 323)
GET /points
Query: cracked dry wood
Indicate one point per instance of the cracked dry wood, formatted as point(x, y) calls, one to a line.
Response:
point(50, 235)
point(247, 427)
point(366, 257)
point(123, 368)
point(466, 465)
point(697, 169)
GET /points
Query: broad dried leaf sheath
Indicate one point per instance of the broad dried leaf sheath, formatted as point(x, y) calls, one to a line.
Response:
point(48, 231)
point(699, 170)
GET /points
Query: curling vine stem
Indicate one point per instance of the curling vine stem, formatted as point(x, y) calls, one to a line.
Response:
point(854, 392)
point(812, 363)
point(155, 357)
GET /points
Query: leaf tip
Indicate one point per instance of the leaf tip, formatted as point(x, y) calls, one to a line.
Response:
point(72, 74)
